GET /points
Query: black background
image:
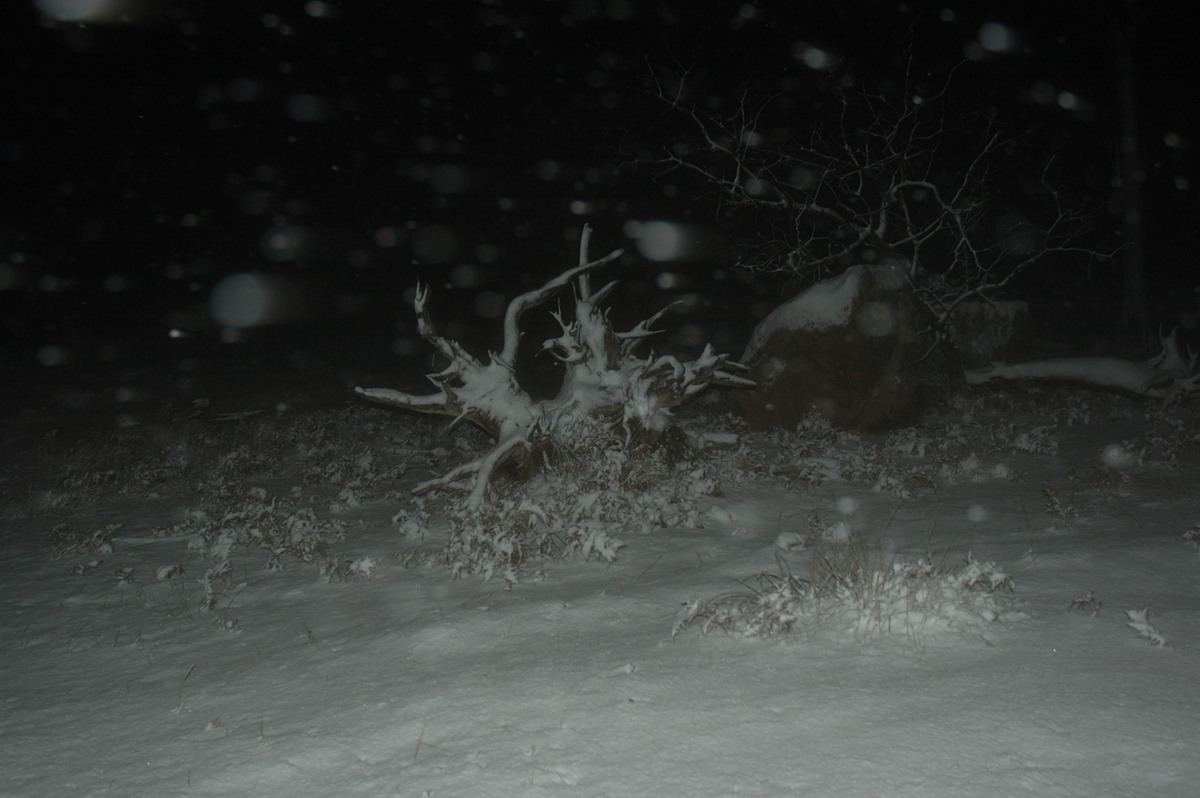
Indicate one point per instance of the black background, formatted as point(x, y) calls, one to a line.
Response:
point(357, 147)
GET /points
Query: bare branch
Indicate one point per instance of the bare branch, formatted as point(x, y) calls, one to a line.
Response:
point(603, 385)
point(891, 175)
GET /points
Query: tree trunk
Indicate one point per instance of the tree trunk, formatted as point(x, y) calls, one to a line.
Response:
point(1135, 329)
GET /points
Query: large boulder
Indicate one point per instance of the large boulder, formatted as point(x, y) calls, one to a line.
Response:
point(845, 348)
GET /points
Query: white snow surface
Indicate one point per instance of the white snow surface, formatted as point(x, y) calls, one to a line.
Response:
point(403, 682)
point(826, 304)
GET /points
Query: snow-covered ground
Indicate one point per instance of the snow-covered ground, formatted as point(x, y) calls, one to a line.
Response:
point(135, 663)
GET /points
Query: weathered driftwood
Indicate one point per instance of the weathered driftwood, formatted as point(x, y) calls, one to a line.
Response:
point(603, 384)
point(1168, 375)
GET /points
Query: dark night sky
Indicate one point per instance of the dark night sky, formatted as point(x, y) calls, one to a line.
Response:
point(151, 148)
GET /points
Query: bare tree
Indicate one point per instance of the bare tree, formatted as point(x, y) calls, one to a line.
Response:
point(607, 393)
point(895, 174)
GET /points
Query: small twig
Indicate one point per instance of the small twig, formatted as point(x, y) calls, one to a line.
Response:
point(647, 569)
point(78, 632)
point(420, 740)
point(179, 707)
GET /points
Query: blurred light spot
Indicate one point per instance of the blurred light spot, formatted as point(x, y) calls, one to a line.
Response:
point(435, 243)
point(811, 57)
point(116, 283)
point(1068, 100)
point(752, 138)
point(976, 513)
point(548, 170)
point(252, 300)
point(464, 275)
point(948, 15)
point(757, 187)
point(52, 283)
point(307, 108)
point(749, 11)
point(620, 10)
point(77, 10)
point(319, 10)
point(405, 346)
point(487, 253)
point(691, 335)
point(1174, 140)
point(10, 277)
point(997, 38)
point(847, 505)
point(1042, 92)
point(386, 237)
point(489, 305)
point(801, 177)
point(667, 280)
point(256, 202)
point(175, 332)
point(659, 241)
point(266, 173)
point(876, 319)
point(1116, 456)
point(582, 207)
point(484, 62)
point(284, 243)
point(51, 355)
point(244, 90)
point(449, 179)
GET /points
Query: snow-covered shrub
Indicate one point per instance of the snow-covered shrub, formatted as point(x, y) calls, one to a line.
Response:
point(275, 524)
point(1139, 621)
point(857, 588)
point(512, 535)
point(578, 507)
point(1086, 603)
point(1069, 505)
point(1172, 435)
point(348, 569)
point(1032, 440)
point(65, 540)
point(1192, 537)
point(816, 452)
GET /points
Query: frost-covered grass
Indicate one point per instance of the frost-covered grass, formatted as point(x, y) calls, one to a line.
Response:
point(227, 604)
point(856, 587)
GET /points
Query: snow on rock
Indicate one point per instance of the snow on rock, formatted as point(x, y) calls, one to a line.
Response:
point(826, 304)
point(842, 348)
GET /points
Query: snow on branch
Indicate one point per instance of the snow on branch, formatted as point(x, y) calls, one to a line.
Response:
point(605, 386)
point(889, 173)
point(1167, 375)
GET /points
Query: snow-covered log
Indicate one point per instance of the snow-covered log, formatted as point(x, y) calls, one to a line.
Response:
point(605, 384)
point(1167, 375)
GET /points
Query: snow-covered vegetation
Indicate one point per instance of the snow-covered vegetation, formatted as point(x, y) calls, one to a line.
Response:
point(609, 399)
point(261, 600)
